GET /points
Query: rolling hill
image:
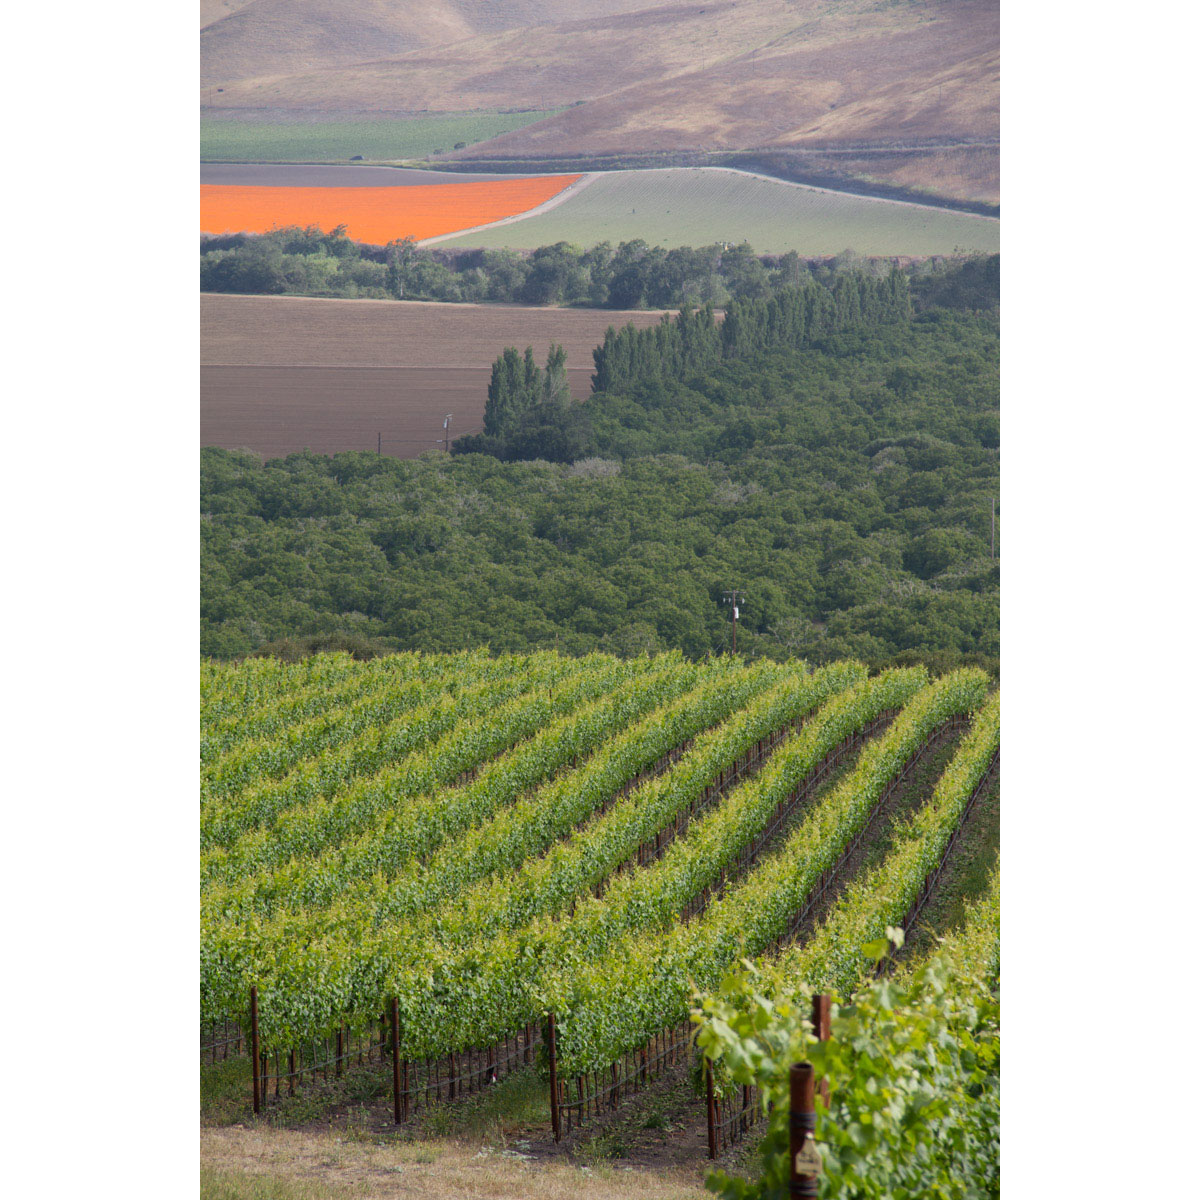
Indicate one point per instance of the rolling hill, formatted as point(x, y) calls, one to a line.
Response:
point(891, 91)
point(267, 38)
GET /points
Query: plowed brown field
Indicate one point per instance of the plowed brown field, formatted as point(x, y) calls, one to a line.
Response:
point(281, 374)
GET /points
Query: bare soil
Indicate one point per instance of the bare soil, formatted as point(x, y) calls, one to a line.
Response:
point(282, 374)
point(276, 411)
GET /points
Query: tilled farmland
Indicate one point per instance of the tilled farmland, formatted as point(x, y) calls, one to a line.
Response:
point(283, 374)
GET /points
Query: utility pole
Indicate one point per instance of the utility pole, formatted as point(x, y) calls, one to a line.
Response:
point(379, 443)
point(734, 597)
point(446, 431)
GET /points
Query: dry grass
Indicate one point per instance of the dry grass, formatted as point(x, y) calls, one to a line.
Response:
point(960, 174)
point(273, 37)
point(715, 75)
point(280, 1164)
point(686, 77)
point(214, 10)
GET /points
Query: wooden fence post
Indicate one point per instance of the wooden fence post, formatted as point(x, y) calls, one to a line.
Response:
point(553, 1048)
point(256, 1066)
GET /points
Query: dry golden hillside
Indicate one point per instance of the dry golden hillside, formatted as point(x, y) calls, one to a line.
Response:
point(900, 91)
point(214, 10)
point(267, 38)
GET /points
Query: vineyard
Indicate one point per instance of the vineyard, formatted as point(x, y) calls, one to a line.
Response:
point(459, 866)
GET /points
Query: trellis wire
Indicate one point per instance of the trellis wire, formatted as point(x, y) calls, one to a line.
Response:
point(584, 1106)
point(468, 1071)
point(726, 1130)
point(424, 1082)
point(646, 853)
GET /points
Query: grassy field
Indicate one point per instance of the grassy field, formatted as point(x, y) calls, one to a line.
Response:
point(699, 206)
point(337, 141)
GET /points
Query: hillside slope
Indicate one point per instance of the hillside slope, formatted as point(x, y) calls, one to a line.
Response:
point(268, 38)
point(891, 91)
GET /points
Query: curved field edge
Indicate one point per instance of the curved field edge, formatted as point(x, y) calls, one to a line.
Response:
point(694, 206)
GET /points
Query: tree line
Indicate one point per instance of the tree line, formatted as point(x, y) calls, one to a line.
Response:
point(523, 420)
point(309, 262)
point(792, 318)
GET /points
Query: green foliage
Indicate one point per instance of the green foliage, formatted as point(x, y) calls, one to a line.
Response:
point(609, 1004)
point(913, 1062)
point(529, 412)
point(293, 649)
point(795, 316)
point(297, 261)
point(324, 956)
point(856, 517)
point(972, 285)
point(913, 1070)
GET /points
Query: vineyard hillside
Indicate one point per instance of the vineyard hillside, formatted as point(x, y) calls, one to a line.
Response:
point(447, 872)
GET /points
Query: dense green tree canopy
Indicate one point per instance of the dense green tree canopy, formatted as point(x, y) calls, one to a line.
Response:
point(633, 275)
point(846, 486)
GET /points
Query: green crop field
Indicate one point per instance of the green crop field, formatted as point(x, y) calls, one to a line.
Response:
point(376, 141)
point(703, 205)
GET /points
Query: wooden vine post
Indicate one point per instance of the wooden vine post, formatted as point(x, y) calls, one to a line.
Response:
point(553, 1048)
point(398, 1096)
point(255, 1065)
point(802, 1121)
point(712, 1108)
point(821, 1029)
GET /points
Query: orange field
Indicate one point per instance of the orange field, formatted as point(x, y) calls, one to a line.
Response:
point(375, 215)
